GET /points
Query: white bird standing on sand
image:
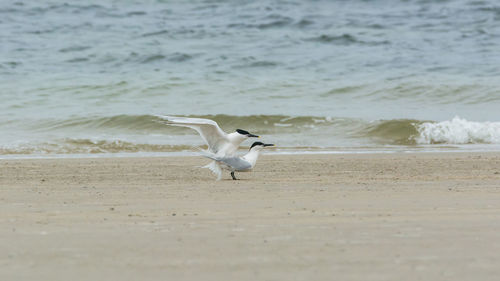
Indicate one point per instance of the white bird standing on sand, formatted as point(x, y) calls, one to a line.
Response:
point(220, 144)
point(243, 163)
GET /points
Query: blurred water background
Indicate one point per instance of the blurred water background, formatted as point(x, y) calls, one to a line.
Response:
point(87, 77)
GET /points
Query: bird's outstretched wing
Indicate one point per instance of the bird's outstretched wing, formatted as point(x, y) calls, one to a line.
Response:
point(211, 133)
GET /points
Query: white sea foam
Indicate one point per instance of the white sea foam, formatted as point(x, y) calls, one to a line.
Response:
point(458, 131)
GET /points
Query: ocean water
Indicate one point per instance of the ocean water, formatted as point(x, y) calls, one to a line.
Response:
point(88, 77)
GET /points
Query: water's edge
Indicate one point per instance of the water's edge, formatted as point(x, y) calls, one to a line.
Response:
point(276, 152)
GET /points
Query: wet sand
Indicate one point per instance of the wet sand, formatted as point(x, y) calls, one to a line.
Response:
point(304, 217)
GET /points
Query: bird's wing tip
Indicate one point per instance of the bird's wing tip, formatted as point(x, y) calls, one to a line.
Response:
point(161, 116)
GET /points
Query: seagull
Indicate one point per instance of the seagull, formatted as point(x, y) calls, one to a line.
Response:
point(243, 163)
point(220, 144)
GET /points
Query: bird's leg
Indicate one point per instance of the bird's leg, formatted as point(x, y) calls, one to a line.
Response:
point(232, 175)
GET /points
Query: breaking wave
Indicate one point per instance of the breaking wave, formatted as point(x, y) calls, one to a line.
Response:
point(458, 131)
point(146, 133)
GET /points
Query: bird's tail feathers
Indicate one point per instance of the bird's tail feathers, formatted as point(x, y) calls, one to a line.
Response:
point(215, 168)
point(206, 153)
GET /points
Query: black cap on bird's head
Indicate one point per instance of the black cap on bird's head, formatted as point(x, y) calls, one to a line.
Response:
point(246, 133)
point(258, 143)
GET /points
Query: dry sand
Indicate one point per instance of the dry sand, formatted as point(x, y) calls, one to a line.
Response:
point(304, 217)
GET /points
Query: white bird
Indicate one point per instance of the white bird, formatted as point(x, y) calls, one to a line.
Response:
point(219, 143)
point(243, 163)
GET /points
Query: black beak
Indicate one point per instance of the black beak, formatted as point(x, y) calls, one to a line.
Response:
point(252, 136)
point(268, 144)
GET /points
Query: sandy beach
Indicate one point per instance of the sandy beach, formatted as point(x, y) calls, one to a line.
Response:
point(401, 216)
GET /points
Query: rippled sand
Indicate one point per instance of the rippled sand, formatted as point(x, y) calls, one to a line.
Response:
point(317, 217)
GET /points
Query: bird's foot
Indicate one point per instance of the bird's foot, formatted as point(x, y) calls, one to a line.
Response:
point(232, 175)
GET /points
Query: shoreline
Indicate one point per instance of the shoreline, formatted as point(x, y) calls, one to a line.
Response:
point(287, 151)
point(397, 216)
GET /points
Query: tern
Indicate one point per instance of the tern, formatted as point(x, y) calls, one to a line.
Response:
point(219, 143)
point(243, 163)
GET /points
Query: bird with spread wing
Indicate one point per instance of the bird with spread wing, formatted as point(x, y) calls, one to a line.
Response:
point(243, 163)
point(220, 143)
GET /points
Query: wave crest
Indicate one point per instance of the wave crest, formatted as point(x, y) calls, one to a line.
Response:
point(144, 133)
point(395, 132)
point(458, 131)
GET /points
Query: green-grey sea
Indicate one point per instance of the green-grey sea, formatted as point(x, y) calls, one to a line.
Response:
point(88, 77)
